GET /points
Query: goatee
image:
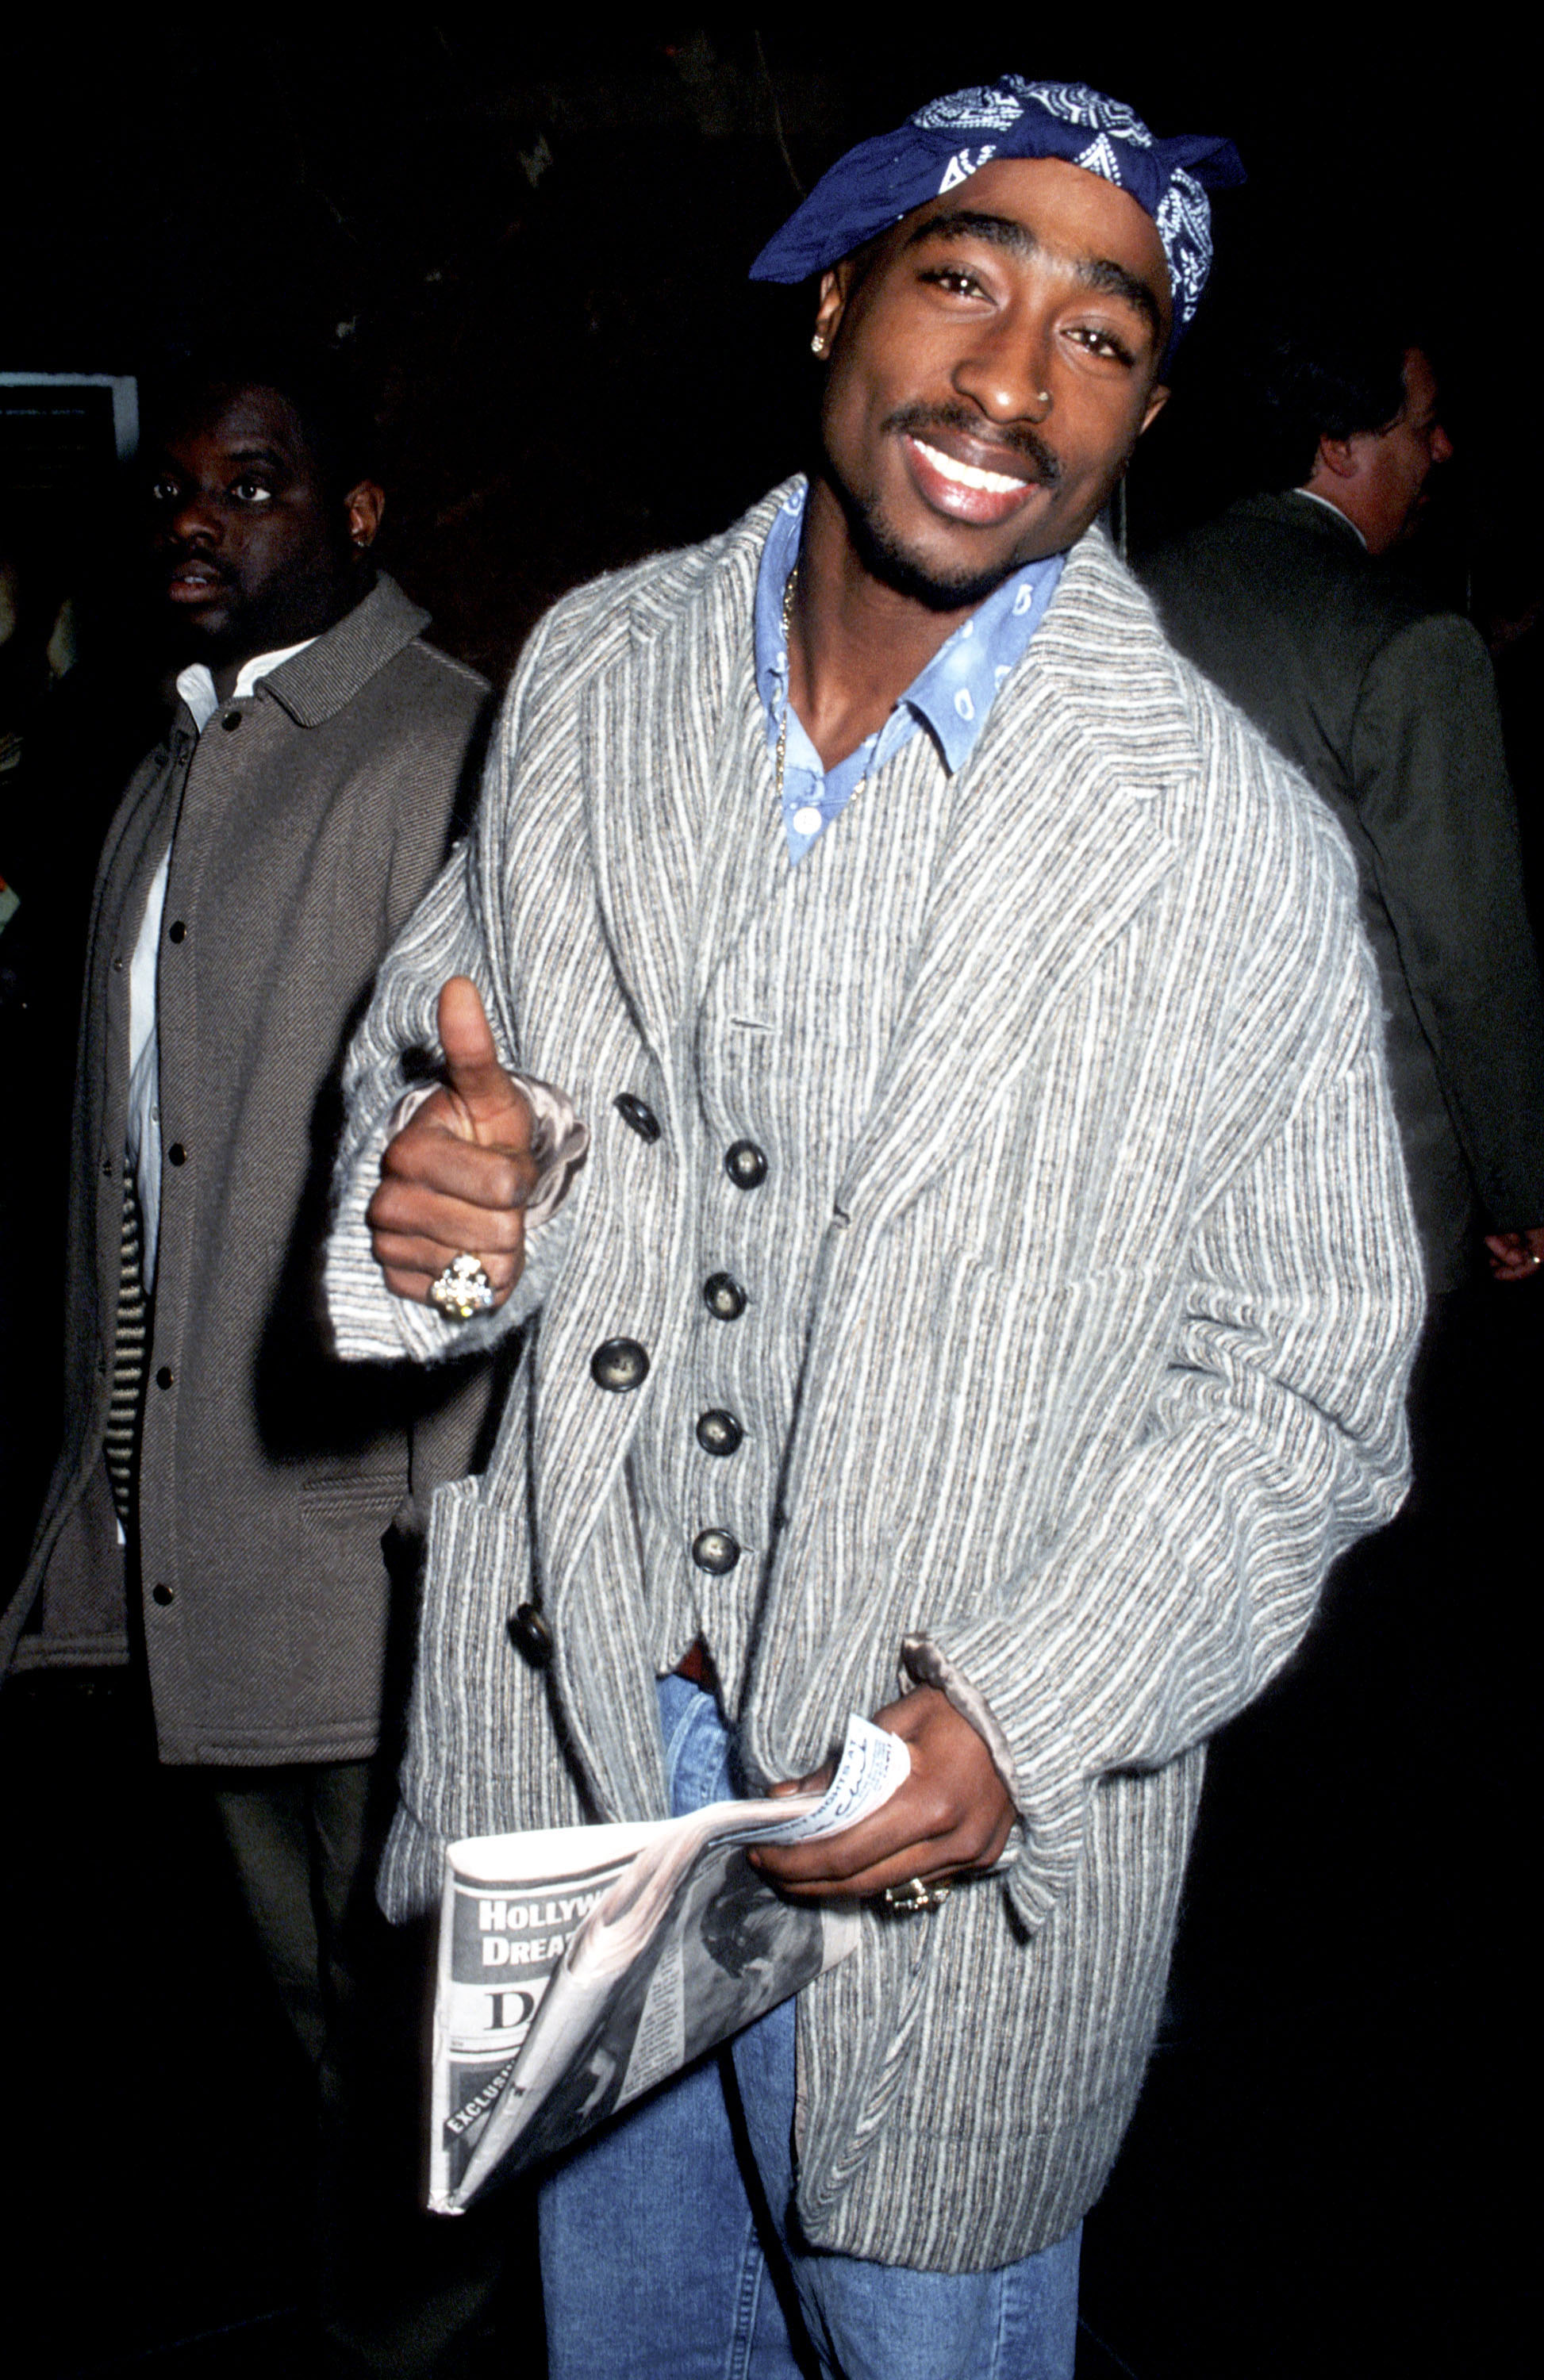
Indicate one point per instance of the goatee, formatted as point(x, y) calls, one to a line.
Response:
point(886, 560)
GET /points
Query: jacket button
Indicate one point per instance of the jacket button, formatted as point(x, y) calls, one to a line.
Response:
point(619, 1364)
point(637, 1113)
point(163, 1377)
point(176, 1154)
point(722, 1295)
point(161, 1594)
point(531, 1635)
point(745, 1164)
point(231, 721)
point(715, 1550)
point(718, 1432)
point(176, 932)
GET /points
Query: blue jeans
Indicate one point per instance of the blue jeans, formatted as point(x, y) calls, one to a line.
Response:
point(670, 2245)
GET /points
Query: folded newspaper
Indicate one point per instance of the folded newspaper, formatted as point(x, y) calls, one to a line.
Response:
point(580, 1966)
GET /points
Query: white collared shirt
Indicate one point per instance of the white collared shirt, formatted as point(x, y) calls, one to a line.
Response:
point(142, 1131)
point(1315, 498)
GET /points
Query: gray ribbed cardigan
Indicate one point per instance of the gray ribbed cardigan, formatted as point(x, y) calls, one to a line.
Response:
point(1099, 1366)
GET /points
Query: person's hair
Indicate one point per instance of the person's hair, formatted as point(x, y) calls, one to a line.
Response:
point(323, 388)
point(1331, 374)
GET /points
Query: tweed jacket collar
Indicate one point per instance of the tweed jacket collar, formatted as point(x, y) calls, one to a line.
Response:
point(1056, 836)
point(324, 679)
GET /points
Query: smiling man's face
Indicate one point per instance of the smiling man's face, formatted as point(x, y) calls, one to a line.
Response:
point(250, 551)
point(992, 367)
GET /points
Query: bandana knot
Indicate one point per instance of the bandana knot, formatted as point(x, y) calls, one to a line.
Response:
point(874, 185)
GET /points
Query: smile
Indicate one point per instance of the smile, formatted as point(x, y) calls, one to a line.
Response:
point(967, 476)
point(966, 491)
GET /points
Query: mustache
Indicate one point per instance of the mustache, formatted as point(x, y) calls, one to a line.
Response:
point(1015, 438)
point(172, 558)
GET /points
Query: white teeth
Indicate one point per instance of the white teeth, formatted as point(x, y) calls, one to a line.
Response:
point(965, 475)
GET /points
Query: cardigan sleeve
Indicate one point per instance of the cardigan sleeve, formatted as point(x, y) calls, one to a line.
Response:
point(1277, 1437)
point(396, 1048)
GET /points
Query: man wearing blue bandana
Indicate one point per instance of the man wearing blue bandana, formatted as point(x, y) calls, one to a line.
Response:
point(987, 1297)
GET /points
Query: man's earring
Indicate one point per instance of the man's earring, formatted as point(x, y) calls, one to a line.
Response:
point(818, 344)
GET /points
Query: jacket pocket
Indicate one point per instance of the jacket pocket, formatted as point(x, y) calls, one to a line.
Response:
point(353, 1495)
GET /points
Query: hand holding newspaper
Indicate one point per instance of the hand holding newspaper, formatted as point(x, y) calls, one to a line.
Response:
point(579, 1966)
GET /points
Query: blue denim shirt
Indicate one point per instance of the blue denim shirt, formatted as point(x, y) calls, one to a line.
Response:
point(952, 695)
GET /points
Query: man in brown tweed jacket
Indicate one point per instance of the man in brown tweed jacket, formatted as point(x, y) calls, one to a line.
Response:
point(229, 1501)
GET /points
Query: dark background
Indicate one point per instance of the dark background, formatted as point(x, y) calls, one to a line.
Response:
point(535, 246)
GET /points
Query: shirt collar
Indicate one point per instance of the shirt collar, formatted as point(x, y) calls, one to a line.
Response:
point(1315, 498)
point(955, 690)
point(197, 686)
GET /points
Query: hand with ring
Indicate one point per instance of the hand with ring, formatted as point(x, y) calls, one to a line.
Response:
point(448, 1223)
point(1515, 1256)
point(950, 1818)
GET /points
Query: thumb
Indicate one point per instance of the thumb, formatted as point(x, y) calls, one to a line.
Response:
point(472, 1068)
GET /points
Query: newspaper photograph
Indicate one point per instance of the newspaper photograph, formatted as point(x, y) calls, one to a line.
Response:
point(579, 1966)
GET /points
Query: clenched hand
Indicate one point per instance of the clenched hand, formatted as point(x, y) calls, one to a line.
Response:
point(456, 1178)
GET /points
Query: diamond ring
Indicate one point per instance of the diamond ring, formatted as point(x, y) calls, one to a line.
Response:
point(462, 1289)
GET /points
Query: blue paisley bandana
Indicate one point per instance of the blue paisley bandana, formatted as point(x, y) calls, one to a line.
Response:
point(940, 146)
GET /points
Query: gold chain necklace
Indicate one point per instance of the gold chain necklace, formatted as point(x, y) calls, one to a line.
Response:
point(788, 680)
point(788, 695)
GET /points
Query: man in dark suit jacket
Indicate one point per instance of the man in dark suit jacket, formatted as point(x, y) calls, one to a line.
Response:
point(1369, 1786)
point(229, 1501)
point(1388, 705)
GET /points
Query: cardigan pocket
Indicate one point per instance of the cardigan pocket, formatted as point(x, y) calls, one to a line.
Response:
point(875, 1998)
point(347, 1497)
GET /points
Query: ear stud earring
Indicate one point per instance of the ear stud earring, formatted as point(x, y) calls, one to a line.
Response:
point(818, 344)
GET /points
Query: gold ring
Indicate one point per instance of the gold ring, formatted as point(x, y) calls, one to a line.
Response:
point(909, 1899)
